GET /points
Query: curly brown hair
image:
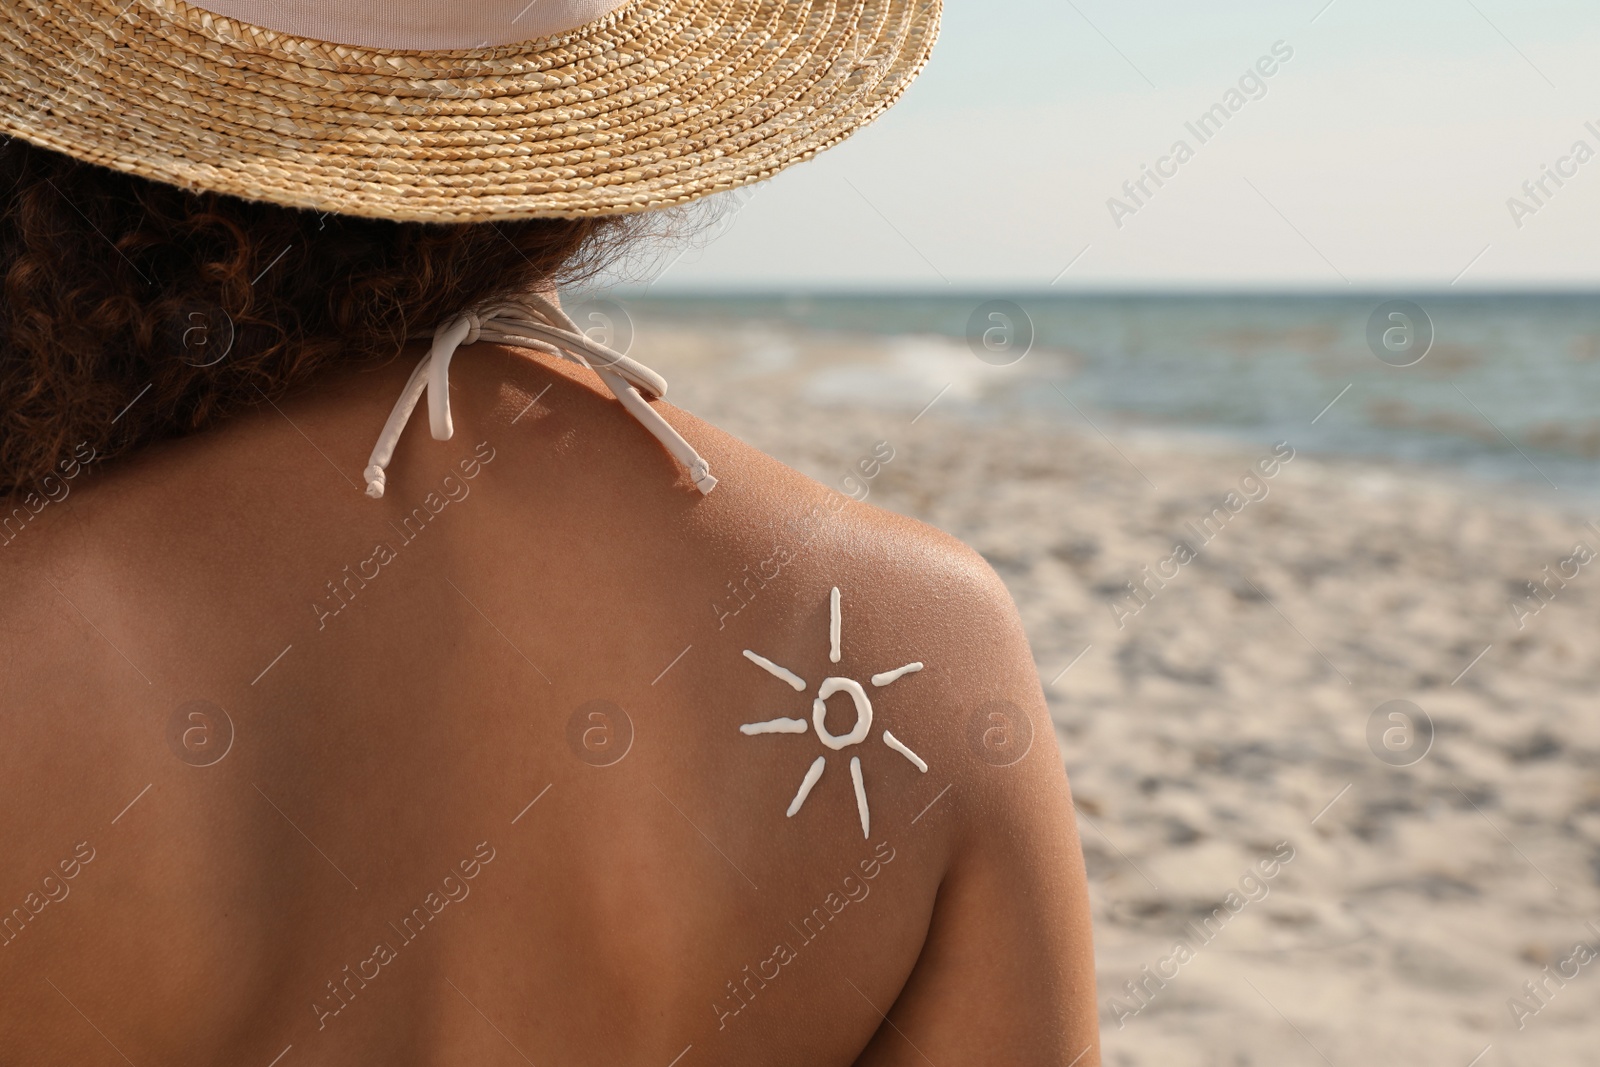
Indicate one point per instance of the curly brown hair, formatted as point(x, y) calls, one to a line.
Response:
point(135, 311)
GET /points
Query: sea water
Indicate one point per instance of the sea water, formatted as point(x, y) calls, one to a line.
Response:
point(1509, 388)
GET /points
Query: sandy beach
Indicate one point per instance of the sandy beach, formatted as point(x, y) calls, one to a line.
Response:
point(1222, 721)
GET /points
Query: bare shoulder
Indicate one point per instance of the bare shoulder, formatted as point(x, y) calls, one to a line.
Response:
point(842, 684)
point(771, 580)
point(1004, 971)
point(860, 679)
point(922, 608)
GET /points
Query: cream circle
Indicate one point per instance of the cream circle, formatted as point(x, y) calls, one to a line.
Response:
point(819, 712)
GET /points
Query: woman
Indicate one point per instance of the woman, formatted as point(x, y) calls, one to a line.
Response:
point(328, 742)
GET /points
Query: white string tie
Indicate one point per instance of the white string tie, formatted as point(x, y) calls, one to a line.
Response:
point(529, 321)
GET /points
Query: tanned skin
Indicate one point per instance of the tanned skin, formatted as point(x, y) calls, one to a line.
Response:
point(387, 836)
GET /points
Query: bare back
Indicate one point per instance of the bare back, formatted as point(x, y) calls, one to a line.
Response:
point(458, 775)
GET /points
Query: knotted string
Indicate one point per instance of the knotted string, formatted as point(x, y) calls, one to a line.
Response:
point(529, 321)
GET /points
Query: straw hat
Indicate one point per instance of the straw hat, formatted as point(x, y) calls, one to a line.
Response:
point(454, 110)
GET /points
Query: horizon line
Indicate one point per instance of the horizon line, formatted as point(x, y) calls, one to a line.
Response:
point(647, 292)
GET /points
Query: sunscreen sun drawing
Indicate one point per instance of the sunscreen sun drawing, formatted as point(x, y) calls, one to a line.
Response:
point(819, 712)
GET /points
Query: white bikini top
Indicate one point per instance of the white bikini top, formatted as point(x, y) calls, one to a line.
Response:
point(528, 321)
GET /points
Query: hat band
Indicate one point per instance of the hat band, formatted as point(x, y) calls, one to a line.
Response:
point(415, 25)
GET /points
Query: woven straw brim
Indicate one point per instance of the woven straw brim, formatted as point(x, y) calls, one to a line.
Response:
point(653, 105)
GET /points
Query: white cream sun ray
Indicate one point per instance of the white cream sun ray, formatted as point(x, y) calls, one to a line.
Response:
point(797, 683)
point(806, 783)
point(899, 746)
point(895, 675)
point(774, 726)
point(861, 796)
point(834, 623)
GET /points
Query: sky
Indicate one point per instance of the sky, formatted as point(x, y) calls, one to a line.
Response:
point(1382, 154)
